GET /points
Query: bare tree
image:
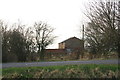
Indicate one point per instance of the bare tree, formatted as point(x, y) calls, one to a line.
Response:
point(30, 44)
point(118, 18)
point(102, 30)
point(43, 37)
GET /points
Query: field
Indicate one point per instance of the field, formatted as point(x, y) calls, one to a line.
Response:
point(66, 71)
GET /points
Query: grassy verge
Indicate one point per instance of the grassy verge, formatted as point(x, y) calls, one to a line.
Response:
point(66, 71)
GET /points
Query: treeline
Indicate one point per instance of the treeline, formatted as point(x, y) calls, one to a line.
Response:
point(21, 43)
point(103, 30)
point(24, 43)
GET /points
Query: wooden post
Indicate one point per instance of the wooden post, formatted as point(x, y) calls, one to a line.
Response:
point(83, 41)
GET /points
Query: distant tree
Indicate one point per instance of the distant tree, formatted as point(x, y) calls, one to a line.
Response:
point(23, 43)
point(13, 43)
point(5, 37)
point(18, 45)
point(118, 19)
point(30, 44)
point(102, 30)
point(0, 42)
point(43, 36)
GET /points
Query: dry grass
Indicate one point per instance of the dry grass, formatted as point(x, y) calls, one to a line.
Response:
point(68, 71)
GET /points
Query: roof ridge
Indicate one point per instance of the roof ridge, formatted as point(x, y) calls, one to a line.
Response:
point(69, 39)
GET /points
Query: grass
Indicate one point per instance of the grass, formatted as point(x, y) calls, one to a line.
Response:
point(65, 71)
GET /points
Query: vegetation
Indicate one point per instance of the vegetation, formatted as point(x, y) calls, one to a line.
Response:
point(103, 30)
point(66, 71)
point(20, 44)
point(43, 37)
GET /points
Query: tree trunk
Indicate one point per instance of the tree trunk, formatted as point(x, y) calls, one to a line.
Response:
point(42, 53)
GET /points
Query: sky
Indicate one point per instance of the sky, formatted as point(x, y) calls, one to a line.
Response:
point(66, 16)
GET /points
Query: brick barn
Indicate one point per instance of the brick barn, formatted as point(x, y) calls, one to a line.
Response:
point(72, 44)
point(69, 46)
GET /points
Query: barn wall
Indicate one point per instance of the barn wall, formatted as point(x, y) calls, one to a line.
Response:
point(62, 45)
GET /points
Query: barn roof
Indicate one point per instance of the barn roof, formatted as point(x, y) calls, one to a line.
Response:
point(71, 39)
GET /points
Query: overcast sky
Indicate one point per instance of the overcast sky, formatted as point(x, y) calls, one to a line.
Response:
point(66, 16)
